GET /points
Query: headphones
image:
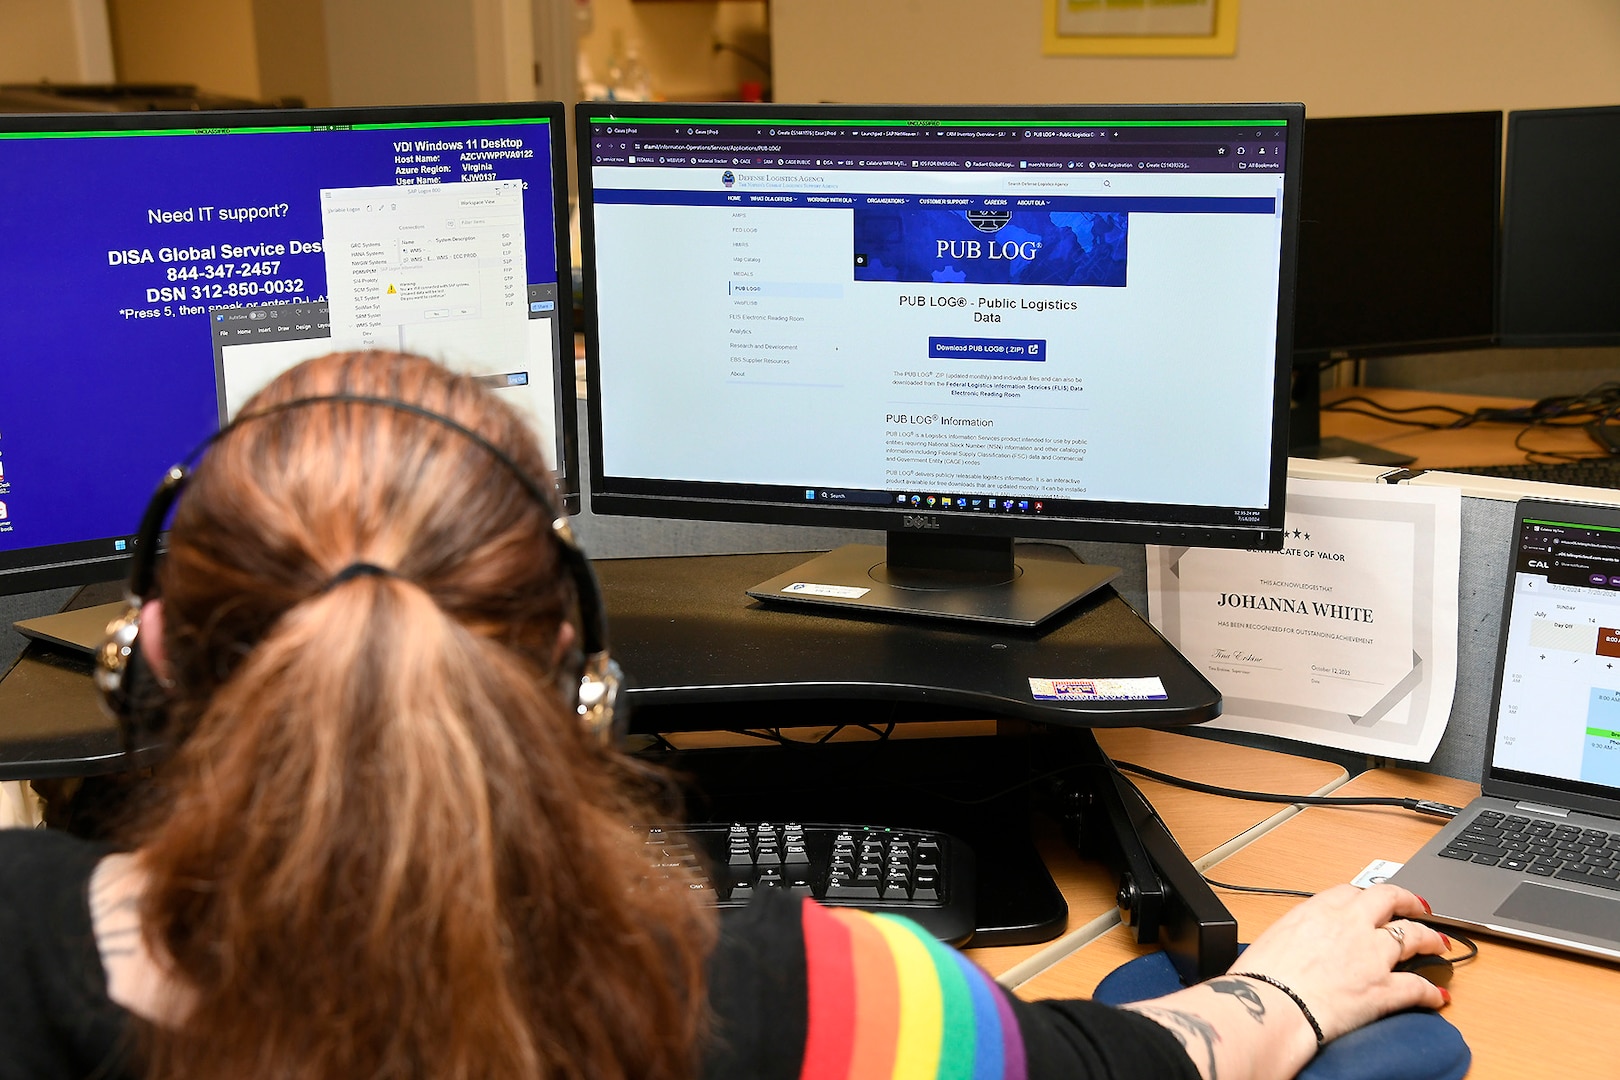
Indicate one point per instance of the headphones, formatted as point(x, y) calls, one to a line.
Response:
point(128, 686)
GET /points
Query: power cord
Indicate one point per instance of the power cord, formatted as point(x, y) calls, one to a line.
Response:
point(1595, 409)
point(1266, 890)
point(1392, 415)
point(1421, 806)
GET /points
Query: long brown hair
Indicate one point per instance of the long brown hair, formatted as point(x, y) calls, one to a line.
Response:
point(384, 848)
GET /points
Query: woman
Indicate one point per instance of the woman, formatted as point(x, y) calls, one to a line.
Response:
point(384, 844)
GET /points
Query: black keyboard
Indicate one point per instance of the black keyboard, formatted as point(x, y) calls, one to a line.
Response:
point(924, 875)
point(1539, 847)
point(1599, 472)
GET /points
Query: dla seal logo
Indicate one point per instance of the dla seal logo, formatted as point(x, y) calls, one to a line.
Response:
point(988, 220)
point(728, 178)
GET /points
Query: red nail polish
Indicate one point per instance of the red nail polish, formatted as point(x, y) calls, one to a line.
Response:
point(1425, 904)
point(1445, 995)
point(1447, 941)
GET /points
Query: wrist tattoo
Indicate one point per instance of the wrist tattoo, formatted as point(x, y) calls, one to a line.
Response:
point(1244, 993)
point(1188, 1029)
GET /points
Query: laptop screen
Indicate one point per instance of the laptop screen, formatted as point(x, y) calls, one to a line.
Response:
point(1556, 719)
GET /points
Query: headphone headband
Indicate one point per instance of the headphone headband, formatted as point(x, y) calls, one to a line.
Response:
point(119, 656)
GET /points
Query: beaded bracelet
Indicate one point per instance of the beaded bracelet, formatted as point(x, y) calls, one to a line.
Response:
point(1295, 998)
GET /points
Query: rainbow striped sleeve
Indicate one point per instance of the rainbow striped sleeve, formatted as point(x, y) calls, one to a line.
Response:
point(888, 1002)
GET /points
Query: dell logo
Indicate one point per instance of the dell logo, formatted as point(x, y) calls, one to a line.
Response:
point(917, 521)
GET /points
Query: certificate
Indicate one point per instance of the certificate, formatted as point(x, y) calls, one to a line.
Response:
point(1346, 638)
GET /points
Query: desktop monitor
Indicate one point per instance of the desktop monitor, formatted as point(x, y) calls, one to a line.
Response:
point(159, 268)
point(958, 325)
point(1397, 242)
point(1561, 228)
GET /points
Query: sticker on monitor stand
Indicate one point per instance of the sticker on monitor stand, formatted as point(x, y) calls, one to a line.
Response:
point(1150, 689)
point(842, 592)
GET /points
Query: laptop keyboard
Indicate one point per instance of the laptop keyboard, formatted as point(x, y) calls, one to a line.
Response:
point(1539, 847)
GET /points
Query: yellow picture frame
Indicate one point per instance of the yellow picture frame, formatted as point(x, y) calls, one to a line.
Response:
point(1222, 42)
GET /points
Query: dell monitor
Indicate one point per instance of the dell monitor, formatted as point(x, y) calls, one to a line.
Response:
point(1397, 245)
point(160, 268)
point(1561, 228)
point(958, 325)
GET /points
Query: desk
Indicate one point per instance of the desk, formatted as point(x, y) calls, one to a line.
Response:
point(1524, 1011)
point(1477, 444)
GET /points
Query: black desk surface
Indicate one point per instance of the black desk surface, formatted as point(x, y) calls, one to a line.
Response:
point(695, 648)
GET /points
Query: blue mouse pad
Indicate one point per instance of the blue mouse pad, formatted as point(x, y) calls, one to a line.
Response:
point(1413, 1045)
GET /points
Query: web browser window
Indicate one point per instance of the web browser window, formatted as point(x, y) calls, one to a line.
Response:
point(961, 313)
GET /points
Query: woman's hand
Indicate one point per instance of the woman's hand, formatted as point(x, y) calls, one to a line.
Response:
point(1335, 953)
point(1338, 949)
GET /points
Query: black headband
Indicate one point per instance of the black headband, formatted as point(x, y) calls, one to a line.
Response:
point(593, 616)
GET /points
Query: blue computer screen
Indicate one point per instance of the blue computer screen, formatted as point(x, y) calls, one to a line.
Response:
point(157, 270)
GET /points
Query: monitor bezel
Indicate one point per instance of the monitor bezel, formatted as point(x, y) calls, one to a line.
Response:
point(58, 566)
point(1360, 350)
point(691, 504)
point(1506, 335)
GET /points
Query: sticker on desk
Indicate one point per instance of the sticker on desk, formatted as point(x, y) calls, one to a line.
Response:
point(842, 592)
point(1150, 689)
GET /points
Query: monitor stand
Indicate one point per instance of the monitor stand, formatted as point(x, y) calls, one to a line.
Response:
point(967, 578)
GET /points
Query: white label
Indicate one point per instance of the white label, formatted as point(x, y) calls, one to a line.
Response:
point(842, 592)
point(1150, 689)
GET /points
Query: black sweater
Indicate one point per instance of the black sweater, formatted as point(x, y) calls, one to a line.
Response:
point(57, 1021)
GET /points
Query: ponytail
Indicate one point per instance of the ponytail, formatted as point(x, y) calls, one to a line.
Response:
point(384, 847)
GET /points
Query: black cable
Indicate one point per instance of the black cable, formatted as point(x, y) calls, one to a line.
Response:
point(1548, 457)
point(1212, 883)
point(1469, 943)
point(1600, 401)
point(1389, 413)
point(1599, 405)
point(1422, 806)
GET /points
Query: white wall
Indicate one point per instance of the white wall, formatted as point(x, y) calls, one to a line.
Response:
point(55, 40)
point(1339, 57)
point(408, 52)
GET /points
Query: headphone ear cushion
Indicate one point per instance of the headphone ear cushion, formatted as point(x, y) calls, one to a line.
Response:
point(130, 691)
point(598, 702)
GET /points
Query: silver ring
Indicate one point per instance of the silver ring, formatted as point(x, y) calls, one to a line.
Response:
point(1395, 932)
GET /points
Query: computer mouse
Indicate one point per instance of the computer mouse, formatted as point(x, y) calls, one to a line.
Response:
point(1437, 969)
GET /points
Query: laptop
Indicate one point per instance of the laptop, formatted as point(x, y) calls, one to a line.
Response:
point(80, 630)
point(1537, 857)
